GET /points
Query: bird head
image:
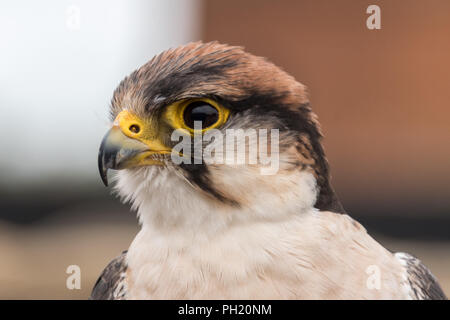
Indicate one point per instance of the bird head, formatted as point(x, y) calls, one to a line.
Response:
point(199, 93)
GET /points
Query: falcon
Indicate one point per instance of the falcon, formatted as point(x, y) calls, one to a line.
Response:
point(224, 230)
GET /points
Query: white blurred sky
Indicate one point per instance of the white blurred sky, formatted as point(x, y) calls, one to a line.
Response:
point(56, 81)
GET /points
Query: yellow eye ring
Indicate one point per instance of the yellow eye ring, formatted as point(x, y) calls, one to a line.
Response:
point(175, 114)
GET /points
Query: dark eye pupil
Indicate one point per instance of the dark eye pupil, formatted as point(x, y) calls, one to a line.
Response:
point(200, 111)
point(134, 128)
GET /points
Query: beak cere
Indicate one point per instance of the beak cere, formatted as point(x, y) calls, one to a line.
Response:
point(117, 151)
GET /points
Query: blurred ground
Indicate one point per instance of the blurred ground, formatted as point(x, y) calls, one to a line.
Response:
point(34, 260)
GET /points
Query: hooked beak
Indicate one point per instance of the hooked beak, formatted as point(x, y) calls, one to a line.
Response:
point(117, 151)
point(131, 142)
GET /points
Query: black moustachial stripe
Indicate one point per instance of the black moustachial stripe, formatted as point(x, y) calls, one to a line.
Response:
point(198, 174)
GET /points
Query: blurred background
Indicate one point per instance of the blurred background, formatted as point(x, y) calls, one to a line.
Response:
point(382, 97)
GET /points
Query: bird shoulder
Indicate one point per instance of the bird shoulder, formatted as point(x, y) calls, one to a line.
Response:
point(111, 285)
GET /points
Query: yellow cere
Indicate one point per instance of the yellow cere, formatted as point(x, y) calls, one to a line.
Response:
point(141, 129)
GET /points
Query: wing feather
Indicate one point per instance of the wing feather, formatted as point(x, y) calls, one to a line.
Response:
point(111, 285)
point(421, 283)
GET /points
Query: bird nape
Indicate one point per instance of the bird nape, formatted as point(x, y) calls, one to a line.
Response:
point(220, 154)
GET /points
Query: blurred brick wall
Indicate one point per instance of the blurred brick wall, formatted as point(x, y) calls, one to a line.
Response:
point(382, 96)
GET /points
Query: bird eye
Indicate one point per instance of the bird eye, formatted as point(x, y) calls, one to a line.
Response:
point(183, 114)
point(135, 128)
point(200, 111)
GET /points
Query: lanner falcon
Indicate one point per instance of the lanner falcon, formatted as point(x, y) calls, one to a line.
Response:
point(212, 230)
